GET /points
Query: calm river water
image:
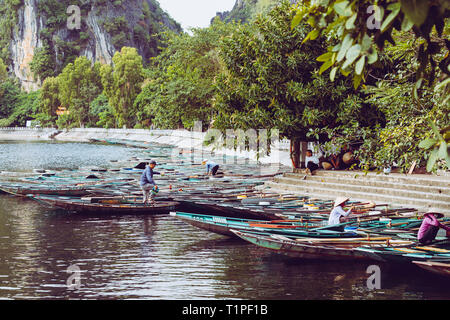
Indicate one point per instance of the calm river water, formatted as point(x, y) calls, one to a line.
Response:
point(143, 257)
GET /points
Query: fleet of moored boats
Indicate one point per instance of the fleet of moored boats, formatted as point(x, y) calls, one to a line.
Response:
point(235, 204)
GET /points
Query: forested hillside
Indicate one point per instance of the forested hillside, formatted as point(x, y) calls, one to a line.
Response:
point(313, 74)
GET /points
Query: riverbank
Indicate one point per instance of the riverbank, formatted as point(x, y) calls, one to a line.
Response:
point(182, 139)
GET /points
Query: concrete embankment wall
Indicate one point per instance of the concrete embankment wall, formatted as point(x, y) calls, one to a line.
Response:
point(25, 134)
point(179, 138)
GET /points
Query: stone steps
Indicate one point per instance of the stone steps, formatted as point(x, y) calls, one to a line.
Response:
point(426, 180)
point(412, 191)
point(410, 185)
point(406, 191)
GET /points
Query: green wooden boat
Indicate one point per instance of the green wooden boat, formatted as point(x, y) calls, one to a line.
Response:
point(223, 225)
point(313, 248)
point(437, 251)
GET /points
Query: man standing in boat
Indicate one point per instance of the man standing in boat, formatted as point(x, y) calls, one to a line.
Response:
point(211, 167)
point(148, 186)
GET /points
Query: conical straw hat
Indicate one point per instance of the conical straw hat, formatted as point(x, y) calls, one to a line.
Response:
point(340, 200)
point(434, 211)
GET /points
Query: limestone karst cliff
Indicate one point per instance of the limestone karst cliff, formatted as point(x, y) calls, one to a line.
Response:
point(244, 10)
point(37, 41)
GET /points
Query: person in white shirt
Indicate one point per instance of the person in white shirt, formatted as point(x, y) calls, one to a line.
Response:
point(311, 162)
point(338, 214)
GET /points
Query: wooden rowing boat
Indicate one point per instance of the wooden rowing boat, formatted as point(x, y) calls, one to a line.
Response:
point(63, 191)
point(107, 207)
point(437, 251)
point(310, 248)
point(437, 267)
point(223, 225)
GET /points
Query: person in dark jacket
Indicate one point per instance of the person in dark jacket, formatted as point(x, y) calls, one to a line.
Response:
point(147, 183)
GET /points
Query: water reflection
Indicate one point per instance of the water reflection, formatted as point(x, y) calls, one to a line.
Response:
point(161, 258)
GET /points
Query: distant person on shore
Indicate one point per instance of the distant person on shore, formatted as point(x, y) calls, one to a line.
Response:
point(430, 227)
point(338, 215)
point(311, 162)
point(211, 167)
point(148, 186)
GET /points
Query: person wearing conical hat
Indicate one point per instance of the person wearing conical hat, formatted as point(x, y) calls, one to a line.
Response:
point(430, 227)
point(337, 215)
point(211, 167)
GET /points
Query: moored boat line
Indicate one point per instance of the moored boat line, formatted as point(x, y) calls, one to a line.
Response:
point(234, 203)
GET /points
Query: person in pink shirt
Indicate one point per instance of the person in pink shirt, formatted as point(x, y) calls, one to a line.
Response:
point(430, 227)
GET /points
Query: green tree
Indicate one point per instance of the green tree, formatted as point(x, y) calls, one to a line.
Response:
point(79, 85)
point(49, 102)
point(122, 83)
point(363, 27)
point(25, 109)
point(369, 37)
point(180, 87)
point(271, 81)
point(102, 112)
point(43, 64)
point(9, 92)
point(3, 71)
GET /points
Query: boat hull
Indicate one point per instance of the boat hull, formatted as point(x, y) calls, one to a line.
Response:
point(299, 250)
point(439, 268)
point(224, 225)
point(160, 207)
point(76, 192)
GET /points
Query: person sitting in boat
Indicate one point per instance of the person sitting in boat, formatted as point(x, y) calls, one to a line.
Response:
point(430, 227)
point(338, 215)
point(211, 167)
point(147, 183)
point(311, 162)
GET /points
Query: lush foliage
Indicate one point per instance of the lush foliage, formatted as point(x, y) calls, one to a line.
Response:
point(79, 85)
point(122, 83)
point(8, 19)
point(16, 106)
point(411, 74)
point(139, 28)
point(287, 69)
point(271, 81)
point(363, 27)
point(180, 87)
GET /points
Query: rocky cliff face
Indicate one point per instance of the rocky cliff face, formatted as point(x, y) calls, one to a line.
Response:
point(41, 43)
point(24, 42)
point(244, 10)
